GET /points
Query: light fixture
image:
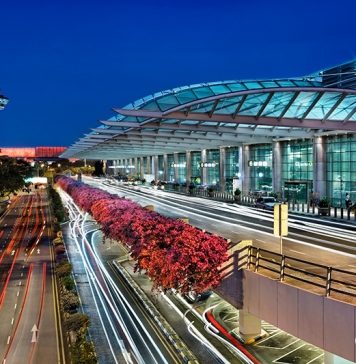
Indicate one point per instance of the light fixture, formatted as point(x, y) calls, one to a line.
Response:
point(3, 102)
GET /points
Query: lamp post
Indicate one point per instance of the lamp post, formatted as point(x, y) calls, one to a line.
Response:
point(3, 102)
point(341, 187)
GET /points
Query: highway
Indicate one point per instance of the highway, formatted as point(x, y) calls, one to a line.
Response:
point(125, 330)
point(107, 252)
point(313, 240)
point(29, 325)
point(246, 222)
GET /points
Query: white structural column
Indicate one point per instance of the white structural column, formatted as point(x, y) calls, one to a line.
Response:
point(330, 358)
point(149, 165)
point(188, 167)
point(155, 167)
point(175, 161)
point(277, 167)
point(249, 325)
point(165, 167)
point(142, 167)
point(204, 170)
point(319, 167)
point(131, 164)
point(244, 169)
point(136, 165)
point(222, 168)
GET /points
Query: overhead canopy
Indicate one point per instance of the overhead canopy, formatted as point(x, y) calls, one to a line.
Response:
point(210, 115)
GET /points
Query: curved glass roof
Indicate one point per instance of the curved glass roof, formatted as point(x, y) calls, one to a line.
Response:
point(165, 100)
point(210, 115)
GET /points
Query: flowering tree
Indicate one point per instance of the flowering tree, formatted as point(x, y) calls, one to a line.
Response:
point(173, 254)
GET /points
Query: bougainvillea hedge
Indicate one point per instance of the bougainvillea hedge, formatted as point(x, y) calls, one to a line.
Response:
point(173, 253)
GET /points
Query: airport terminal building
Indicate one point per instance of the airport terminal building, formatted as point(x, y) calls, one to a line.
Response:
point(292, 136)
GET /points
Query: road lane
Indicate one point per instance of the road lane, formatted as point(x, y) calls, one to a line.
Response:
point(22, 309)
point(128, 327)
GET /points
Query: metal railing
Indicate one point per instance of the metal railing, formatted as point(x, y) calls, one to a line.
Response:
point(326, 279)
point(247, 200)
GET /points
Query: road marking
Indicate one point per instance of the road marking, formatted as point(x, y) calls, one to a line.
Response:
point(12, 321)
point(15, 306)
point(20, 283)
point(18, 292)
point(8, 340)
point(22, 274)
point(295, 251)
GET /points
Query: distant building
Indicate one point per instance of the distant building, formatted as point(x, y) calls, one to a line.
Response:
point(33, 154)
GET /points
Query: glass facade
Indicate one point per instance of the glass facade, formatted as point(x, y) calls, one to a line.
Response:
point(196, 170)
point(170, 168)
point(182, 168)
point(341, 168)
point(260, 165)
point(212, 167)
point(138, 166)
point(160, 167)
point(231, 167)
point(297, 170)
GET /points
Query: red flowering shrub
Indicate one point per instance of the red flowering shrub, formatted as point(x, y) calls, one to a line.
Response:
point(174, 254)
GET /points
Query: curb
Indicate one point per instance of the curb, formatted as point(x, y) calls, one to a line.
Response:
point(178, 344)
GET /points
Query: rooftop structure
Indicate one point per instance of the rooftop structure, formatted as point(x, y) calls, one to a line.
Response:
point(225, 113)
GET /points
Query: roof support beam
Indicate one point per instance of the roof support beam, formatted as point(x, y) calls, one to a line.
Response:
point(239, 106)
point(296, 94)
point(244, 119)
point(124, 124)
point(161, 125)
point(337, 103)
point(350, 115)
point(262, 109)
point(211, 112)
point(310, 108)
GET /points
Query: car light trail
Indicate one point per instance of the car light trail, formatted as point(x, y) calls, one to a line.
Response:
point(331, 231)
point(103, 285)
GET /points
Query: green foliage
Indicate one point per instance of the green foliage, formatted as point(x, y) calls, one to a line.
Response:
point(12, 174)
point(83, 352)
point(64, 269)
point(324, 202)
point(70, 301)
point(237, 192)
point(77, 322)
point(58, 208)
point(68, 282)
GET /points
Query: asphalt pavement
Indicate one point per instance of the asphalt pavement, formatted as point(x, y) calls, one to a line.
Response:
point(28, 329)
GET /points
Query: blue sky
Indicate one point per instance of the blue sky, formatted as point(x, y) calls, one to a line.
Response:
point(65, 64)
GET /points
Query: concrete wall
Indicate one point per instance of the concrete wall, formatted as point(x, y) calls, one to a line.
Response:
point(321, 321)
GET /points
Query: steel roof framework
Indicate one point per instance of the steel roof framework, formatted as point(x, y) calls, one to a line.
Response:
point(211, 115)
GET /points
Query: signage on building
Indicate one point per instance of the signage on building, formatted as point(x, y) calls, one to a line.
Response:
point(179, 165)
point(122, 167)
point(303, 164)
point(259, 164)
point(208, 165)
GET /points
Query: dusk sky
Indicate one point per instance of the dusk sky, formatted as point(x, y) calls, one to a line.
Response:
point(65, 64)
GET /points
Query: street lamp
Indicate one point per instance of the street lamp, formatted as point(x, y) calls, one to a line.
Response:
point(3, 102)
